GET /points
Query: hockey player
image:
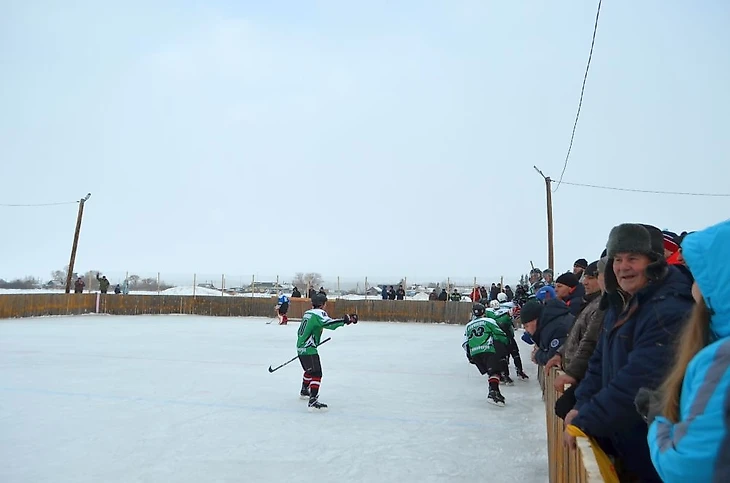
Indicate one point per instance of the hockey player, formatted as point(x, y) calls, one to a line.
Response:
point(282, 307)
point(484, 343)
point(314, 321)
point(503, 316)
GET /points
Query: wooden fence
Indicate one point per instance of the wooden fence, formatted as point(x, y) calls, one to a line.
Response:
point(565, 465)
point(29, 305)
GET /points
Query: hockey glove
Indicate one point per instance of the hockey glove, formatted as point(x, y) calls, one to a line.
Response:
point(350, 319)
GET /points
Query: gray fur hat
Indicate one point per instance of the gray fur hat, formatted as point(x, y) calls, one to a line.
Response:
point(635, 238)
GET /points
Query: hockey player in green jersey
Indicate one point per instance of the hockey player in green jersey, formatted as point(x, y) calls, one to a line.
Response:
point(308, 337)
point(484, 343)
point(503, 316)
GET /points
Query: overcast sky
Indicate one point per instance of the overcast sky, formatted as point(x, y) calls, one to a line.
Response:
point(352, 138)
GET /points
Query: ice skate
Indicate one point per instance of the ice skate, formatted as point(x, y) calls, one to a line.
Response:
point(522, 376)
point(496, 398)
point(304, 393)
point(506, 380)
point(316, 406)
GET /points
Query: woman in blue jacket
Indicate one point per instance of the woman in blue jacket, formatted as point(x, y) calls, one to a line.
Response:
point(690, 440)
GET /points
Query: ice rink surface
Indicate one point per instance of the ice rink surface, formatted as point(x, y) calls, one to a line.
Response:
point(189, 399)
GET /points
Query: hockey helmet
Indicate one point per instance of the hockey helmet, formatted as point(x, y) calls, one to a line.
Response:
point(502, 297)
point(478, 309)
point(494, 304)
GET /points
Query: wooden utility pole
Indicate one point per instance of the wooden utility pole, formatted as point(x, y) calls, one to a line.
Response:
point(75, 245)
point(549, 200)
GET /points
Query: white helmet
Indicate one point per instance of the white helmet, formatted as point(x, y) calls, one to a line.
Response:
point(502, 297)
point(494, 304)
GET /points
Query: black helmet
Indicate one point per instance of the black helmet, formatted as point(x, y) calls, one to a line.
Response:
point(318, 300)
point(478, 309)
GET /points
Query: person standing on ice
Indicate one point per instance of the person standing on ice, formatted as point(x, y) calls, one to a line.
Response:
point(282, 307)
point(485, 343)
point(502, 314)
point(313, 322)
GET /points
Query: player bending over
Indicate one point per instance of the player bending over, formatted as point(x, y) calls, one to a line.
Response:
point(309, 334)
point(282, 307)
point(503, 316)
point(485, 344)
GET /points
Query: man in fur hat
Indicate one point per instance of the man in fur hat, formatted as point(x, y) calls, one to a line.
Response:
point(646, 303)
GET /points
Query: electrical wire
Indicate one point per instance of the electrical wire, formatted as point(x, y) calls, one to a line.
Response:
point(679, 193)
point(38, 204)
point(580, 102)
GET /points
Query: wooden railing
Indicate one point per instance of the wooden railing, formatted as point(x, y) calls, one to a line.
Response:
point(565, 465)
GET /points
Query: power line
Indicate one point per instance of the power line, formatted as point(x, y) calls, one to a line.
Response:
point(580, 102)
point(680, 193)
point(40, 204)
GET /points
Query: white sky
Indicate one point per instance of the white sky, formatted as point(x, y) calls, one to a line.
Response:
point(352, 139)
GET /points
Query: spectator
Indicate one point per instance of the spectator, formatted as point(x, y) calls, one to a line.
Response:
point(455, 296)
point(547, 325)
point(536, 281)
point(509, 293)
point(384, 293)
point(125, 287)
point(646, 302)
point(546, 293)
point(570, 291)
point(400, 294)
point(391, 293)
point(493, 291)
point(483, 293)
point(579, 267)
point(103, 283)
point(688, 441)
point(433, 295)
point(322, 292)
point(295, 293)
point(573, 357)
point(443, 296)
point(475, 295)
point(117, 289)
point(311, 292)
point(79, 285)
point(548, 276)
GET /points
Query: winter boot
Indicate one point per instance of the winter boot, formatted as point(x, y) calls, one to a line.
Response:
point(495, 397)
point(315, 405)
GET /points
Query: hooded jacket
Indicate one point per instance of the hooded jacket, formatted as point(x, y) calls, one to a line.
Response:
point(575, 299)
point(552, 330)
point(634, 349)
point(697, 448)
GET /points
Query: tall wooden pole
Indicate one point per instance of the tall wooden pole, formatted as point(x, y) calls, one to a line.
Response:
point(549, 201)
point(75, 245)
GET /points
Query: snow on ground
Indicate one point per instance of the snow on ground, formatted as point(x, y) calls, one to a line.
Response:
point(189, 399)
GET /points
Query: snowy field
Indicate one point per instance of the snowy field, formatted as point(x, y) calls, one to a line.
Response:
point(180, 398)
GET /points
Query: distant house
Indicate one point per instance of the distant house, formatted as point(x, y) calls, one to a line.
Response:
point(265, 287)
point(53, 284)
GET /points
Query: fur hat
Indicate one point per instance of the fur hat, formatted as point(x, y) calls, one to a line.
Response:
point(569, 279)
point(635, 238)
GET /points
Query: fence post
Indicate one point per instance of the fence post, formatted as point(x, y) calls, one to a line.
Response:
point(223, 284)
point(195, 283)
point(366, 288)
point(253, 285)
point(405, 283)
point(158, 283)
point(338, 285)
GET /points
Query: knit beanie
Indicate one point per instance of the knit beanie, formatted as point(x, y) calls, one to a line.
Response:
point(547, 289)
point(569, 279)
point(592, 269)
point(581, 262)
point(530, 311)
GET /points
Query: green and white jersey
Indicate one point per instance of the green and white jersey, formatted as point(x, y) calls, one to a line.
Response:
point(310, 330)
point(480, 335)
point(503, 317)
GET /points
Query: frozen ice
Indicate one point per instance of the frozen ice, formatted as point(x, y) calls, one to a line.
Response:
point(179, 398)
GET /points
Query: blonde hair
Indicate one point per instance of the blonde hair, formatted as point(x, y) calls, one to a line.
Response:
point(694, 338)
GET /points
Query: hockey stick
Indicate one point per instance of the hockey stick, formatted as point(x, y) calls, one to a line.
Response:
point(293, 358)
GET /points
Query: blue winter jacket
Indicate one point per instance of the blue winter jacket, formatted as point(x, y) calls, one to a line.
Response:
point(633, 351)
point(698, 447)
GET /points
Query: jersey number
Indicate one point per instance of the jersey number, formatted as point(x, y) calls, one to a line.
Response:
point(477, 332)
point(303, 326)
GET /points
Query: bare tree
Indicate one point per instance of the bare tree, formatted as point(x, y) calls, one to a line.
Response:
point(60, 276)
point(91, 282)
point(302, 280)
point(133, 281)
